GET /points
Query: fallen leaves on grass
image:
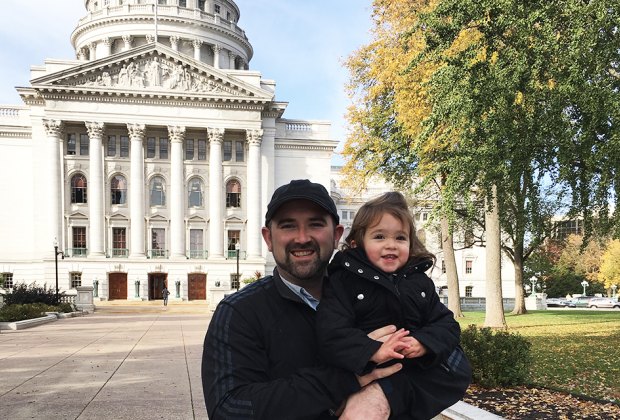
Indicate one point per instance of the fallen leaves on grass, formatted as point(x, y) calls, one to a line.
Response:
point(537, 403)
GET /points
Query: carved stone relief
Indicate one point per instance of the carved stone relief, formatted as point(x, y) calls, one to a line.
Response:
point(154, 73)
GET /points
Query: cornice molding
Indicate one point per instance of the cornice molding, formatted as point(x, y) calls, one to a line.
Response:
point(16, 134)
point(305, 147)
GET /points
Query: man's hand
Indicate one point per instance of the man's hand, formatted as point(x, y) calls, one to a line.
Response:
point(369, 404)
point(379, 373)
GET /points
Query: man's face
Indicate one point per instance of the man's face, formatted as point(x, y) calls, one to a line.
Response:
point(302, 237)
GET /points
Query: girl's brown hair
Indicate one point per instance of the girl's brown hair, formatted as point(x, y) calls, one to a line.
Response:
point(393, 203)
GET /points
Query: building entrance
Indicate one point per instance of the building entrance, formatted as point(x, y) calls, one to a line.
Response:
point(157, 281)
point(197, 287)
point(117, 286)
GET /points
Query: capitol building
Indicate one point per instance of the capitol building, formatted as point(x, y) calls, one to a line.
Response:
point(148, 160)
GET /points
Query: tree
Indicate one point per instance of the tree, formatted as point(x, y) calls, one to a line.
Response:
point(610, 265)
point(522, 97)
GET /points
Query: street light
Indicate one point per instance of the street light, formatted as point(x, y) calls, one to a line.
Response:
point(584, 284)
point(56, 254)
point(533, 280)
point(237, 248)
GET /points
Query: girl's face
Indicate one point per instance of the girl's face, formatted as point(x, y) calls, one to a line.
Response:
point(387, 244)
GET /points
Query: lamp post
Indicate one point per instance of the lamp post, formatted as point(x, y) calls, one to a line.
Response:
point(584, 284)
point(533, 280)
point(237, 248)
point(56, 254)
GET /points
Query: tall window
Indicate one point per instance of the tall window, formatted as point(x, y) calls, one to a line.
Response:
point(469, 265)
point(79, 241)
point(111, 145)
point(227, 148)
point(83, 144)
point(158, 243)
point(76, 280)
point(163, 148)
point(78, 189)
point(194, 197)
point(118, 188)
point(239, 151)
point(202, 150)
point(119, 242)
point(201, 5)
point(233, 193)
point(124, 146)
point(182, 3)
point(71, 140)
point(469, 290)
point(7, 279)
point(189, 149)
point(216, 8)
point(158, 192)
point(234, 238)
point(150, 147)
point(196, 245)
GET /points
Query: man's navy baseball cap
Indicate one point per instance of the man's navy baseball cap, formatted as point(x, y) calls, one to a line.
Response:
point(301, 189)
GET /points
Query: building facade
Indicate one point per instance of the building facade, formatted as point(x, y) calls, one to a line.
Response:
point(149, 159)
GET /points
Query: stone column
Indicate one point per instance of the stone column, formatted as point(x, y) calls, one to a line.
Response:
point(177, 213)
point(197, 44)
point(92, 51)
point(231, 60)
point(81, 54)
point(174, 42)
point(253, 202)
point(216, 247)
point(127, 39)
point(216, 55)
point(107, 44)
point(53, 184)
point(136, 191)
point(95, 190)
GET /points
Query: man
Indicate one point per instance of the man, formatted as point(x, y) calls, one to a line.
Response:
point(260, 358)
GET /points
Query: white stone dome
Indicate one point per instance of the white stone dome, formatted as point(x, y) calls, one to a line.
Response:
point(202, 29)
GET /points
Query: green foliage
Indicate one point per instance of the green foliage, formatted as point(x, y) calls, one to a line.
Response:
point(257, 276)
point(498, 358)
point(575, 351)
point(32, 293)
point(18, 312)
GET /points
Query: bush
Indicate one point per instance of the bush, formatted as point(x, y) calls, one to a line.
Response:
point(497, 359)
point(22, 294)
point(257, 276)
point(18, 312)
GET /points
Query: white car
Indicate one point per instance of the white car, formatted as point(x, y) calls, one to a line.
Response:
point(603, 302)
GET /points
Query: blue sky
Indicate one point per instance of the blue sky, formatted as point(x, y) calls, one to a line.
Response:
point(301, 44)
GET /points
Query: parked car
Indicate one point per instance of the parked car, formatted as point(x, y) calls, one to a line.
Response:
point(603, 302)
point(581, 301)
point(558, 303)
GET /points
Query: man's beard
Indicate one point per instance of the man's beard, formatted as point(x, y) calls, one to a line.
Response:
point(310, 270)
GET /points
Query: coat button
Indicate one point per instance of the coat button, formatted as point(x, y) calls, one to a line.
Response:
point(360, 297)
point(376, 277)
point(359, 270)
point(346, 264)
point(423, 294)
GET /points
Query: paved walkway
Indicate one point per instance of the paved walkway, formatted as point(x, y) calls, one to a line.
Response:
point(122, 362)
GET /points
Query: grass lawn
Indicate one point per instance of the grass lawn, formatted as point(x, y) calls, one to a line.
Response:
point(577, 351)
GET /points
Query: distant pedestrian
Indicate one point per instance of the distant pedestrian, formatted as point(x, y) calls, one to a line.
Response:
point(165, 293)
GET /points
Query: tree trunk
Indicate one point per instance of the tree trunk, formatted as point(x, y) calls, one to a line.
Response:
point(519, 291)
point(494, 316)
point(447, 244)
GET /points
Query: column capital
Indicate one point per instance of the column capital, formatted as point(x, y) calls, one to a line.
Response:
point(216, 48)
point(254, 137)
point(174, 42)
point(176, 133)
point(127, 39)
point(53, 127)
point(136, 131)
point(106, 41)
point(216, 135)
point(95, 129)
point(150, 38)
point(197, 43)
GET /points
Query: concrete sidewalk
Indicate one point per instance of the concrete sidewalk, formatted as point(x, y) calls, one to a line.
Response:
point(122, 362)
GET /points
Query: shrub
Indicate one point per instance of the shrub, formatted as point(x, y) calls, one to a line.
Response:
point(497, 359)
point(32, 293)
point(19, 312)
point(257, 276)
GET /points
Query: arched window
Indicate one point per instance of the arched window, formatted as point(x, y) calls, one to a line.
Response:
point(78, 189)
point(118, 189)
point(233, 193)
point(194, 193)
point(158, 191)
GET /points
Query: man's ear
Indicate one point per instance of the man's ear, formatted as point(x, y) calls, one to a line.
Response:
point(267, 237)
